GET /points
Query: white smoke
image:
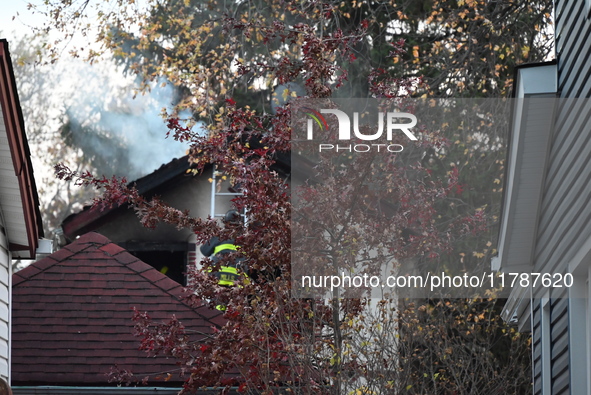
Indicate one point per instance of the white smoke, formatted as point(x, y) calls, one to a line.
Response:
point(109, 118)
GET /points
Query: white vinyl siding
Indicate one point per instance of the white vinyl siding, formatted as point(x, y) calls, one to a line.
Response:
point(5, 271)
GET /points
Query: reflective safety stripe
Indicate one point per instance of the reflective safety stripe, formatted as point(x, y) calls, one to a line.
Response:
point(222, 247)
point(228, 275)
point(229, 269)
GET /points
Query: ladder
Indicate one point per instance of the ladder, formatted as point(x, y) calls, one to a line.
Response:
point(215, 196)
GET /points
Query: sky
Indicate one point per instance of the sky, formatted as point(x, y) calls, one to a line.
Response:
point(23, 18)
point(145, 125)
point(98, 95)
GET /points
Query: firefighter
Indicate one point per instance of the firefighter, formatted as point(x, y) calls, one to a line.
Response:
point(215, 248)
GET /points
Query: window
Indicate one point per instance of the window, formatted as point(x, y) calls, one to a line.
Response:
point(169, 258)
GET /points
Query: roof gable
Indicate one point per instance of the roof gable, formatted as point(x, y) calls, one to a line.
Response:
point(72, 314)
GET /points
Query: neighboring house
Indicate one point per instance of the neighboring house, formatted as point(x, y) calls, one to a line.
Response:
point(166, 248)
point(72, 320)
point(20, 220)
point(546, 218)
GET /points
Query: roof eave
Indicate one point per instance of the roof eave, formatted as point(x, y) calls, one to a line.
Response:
point(527, 158)
point(23, 168)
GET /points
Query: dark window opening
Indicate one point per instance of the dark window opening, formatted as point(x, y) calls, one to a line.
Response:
point(169, 259)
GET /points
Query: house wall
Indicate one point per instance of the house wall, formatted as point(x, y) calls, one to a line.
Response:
point(194, 195)
point(5, 275)
point(191, 193)
point(565, 218)
point(564, 227)
point(573, 47)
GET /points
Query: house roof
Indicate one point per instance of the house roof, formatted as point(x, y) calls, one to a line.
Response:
point(72, 312)
point(18, 194)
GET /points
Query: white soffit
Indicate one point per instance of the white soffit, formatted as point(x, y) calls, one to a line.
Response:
point(10, 194)
point(533, 121)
